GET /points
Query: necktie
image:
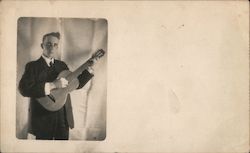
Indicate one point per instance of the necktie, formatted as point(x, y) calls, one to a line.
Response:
point(50, 63)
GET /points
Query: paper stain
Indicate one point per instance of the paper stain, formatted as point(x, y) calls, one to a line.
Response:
point(174, 102)
point(181, 26)
point(163, 27)
point(52, 2)
point(163, 93)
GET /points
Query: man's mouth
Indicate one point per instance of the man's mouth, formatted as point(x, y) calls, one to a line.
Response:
point(51, 52)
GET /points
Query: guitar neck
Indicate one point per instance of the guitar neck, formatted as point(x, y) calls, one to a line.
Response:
point(98, 54)
point(78, 71)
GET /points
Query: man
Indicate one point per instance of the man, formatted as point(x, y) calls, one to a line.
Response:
point(38, 80)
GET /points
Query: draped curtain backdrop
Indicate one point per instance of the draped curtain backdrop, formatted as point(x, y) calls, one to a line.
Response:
point(80, 38)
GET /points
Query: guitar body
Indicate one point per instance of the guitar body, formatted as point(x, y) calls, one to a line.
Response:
point(57, 97)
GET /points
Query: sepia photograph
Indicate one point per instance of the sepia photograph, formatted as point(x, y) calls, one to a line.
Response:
point(61, 78)
point(124, 76)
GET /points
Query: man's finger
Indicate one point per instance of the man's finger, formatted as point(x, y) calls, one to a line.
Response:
point(64, 85)
point(64, 81)
point(91, 70)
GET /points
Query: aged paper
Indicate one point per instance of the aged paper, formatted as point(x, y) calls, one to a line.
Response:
point(177, 75)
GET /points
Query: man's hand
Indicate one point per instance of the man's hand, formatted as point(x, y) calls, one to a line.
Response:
point(92, 62)
point(91, 70)
point(59, 83)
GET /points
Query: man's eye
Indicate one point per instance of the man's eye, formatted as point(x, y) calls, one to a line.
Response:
point(48, 44)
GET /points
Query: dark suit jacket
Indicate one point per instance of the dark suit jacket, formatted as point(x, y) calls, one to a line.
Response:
point(32, 83)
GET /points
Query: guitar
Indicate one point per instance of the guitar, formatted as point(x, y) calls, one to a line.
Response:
point(57, 97)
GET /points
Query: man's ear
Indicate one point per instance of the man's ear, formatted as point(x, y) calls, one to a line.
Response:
point(42, 45)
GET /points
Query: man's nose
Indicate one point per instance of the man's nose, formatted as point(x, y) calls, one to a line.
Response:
point(52, 46)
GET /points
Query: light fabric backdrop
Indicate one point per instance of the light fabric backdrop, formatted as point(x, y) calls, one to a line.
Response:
point(79, 39)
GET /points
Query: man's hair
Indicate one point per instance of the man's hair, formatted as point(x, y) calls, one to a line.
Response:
point(55, 34)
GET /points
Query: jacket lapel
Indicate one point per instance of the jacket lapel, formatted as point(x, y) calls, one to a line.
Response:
point(42, 62)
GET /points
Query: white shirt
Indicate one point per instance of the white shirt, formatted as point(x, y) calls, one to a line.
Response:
point(48, 60)
point(47, 84)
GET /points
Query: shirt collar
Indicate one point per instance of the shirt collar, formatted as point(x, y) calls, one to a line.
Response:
point(48, 60)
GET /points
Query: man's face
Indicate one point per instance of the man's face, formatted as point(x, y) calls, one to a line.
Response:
point(50, 46)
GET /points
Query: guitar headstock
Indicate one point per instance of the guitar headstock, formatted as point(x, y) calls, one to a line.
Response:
point(98, 54)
